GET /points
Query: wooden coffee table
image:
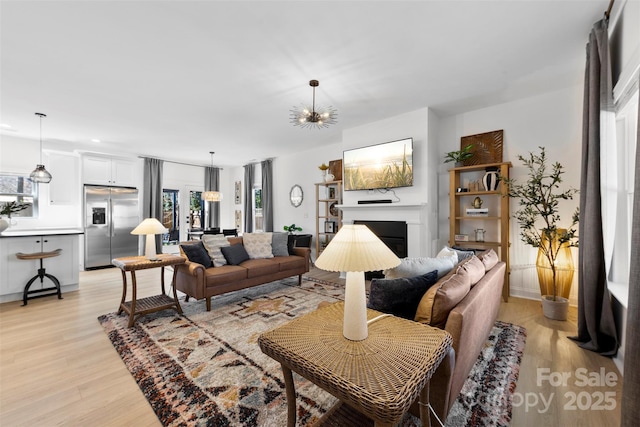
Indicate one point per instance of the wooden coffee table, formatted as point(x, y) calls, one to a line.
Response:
point(138, 307)
point(379, 377)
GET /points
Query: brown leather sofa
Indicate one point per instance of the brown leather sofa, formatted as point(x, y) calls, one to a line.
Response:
point(469, 322)
point(199, 282)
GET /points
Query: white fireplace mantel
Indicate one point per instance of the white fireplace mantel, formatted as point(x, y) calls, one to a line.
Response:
point(414, 214)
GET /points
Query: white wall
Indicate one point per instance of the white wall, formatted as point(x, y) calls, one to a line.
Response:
point(300, 168)
point(552, 120)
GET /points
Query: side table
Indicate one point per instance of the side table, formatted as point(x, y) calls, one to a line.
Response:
point(138, 307)
point(380, 376)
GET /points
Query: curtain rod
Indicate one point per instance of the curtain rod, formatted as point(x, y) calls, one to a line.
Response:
point(177, 163)
point(608, 12)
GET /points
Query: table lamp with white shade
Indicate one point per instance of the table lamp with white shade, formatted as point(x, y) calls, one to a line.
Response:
point(150, 227)
point(355, 249)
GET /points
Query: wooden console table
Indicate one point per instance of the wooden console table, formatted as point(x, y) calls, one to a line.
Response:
point(380, 376)
point(138, 307)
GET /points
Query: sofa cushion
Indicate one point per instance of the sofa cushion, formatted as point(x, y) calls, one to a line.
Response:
point(412, 267)
point(489, 258)
point(279, 244)
point(225, 275)
point(258, 245)
point(437, 302)
point(235, 254)
point(260, 267)
point(472, 267)
point(196, 252)
point(400, 297)
point(290, 262)
point(213, 243)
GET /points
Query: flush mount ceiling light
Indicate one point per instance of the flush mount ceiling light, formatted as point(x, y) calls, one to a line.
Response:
point(211, 196)
point(40, 174)
point(310, 117)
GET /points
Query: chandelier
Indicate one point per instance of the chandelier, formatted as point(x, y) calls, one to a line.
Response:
point(212, 196)
point(310, 117)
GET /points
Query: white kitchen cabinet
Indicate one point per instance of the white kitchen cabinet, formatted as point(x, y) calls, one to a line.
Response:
point(109, 171)
point(15, 273)
point(63, 188)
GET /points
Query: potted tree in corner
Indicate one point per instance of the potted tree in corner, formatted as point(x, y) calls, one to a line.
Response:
point(539, 220)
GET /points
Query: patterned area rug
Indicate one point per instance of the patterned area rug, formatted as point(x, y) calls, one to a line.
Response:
point(206, 369)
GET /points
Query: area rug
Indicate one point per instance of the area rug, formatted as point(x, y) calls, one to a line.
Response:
point(206, 368)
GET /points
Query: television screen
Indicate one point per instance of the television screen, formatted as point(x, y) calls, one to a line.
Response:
point(386, 165)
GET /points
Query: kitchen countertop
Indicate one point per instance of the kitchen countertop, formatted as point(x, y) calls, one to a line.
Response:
point(45, 231)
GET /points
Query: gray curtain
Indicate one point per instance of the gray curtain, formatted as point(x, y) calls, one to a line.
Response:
point(267, 194)
point(596, 326)
point(248, 197)
point(631, 383)
point(212, 183)
point(152, 193)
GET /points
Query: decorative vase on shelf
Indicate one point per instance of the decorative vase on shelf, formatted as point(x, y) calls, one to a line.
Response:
point(490, 179)
point(329, 177)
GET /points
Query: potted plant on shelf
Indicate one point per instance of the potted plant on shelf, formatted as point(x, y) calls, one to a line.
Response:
point(539, 220)
point(459, 156)
point(291, 228)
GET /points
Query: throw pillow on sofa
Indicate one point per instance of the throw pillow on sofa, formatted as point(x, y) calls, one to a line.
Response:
point(196, 252)
point(412, 267)
point(235, 254)
point(400, 297)
point(258, 245)
point(439, 300)
point(463, 253)
point(279, 244)
point(213, 243)
point(474, 268)
point(489, 258)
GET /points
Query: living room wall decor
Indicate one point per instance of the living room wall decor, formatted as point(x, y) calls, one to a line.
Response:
point(486, 147)
point(238, 192)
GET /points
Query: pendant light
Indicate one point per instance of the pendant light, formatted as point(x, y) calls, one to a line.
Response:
point(212, 196)
point(40, 174)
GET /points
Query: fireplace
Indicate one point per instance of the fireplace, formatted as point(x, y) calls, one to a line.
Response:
point(393, 234)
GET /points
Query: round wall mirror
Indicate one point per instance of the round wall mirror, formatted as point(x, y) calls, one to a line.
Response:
point(296, 195)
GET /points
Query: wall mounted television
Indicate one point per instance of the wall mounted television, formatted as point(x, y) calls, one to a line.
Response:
point(386, 165)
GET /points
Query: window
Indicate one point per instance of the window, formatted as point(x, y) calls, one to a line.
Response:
point(19, 189)
point(618, 183)
point(257, 209)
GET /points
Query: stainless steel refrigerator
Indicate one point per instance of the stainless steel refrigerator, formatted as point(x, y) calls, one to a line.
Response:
point(110, 213)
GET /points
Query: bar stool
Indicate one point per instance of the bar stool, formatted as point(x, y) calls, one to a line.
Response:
point(41, 275)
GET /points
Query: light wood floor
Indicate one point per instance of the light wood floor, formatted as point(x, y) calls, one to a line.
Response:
point(57, 366)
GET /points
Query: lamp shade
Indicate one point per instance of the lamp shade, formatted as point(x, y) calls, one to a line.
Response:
point(211, 196)
point(150, 226)
point(40, 174)
point(356, 248)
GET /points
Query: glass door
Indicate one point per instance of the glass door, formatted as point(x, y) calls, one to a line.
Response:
point(171, 216)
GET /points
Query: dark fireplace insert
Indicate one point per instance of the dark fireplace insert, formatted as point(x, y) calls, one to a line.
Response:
point(393, 234)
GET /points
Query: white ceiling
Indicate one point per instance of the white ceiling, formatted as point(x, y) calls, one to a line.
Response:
point(177, 79)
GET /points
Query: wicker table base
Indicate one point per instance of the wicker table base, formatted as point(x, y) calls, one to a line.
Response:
point(380, 377)
point(141, 306)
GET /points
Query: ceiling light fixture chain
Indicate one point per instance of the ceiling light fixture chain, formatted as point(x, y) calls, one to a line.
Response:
point(40, 174)
point(310, 117)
